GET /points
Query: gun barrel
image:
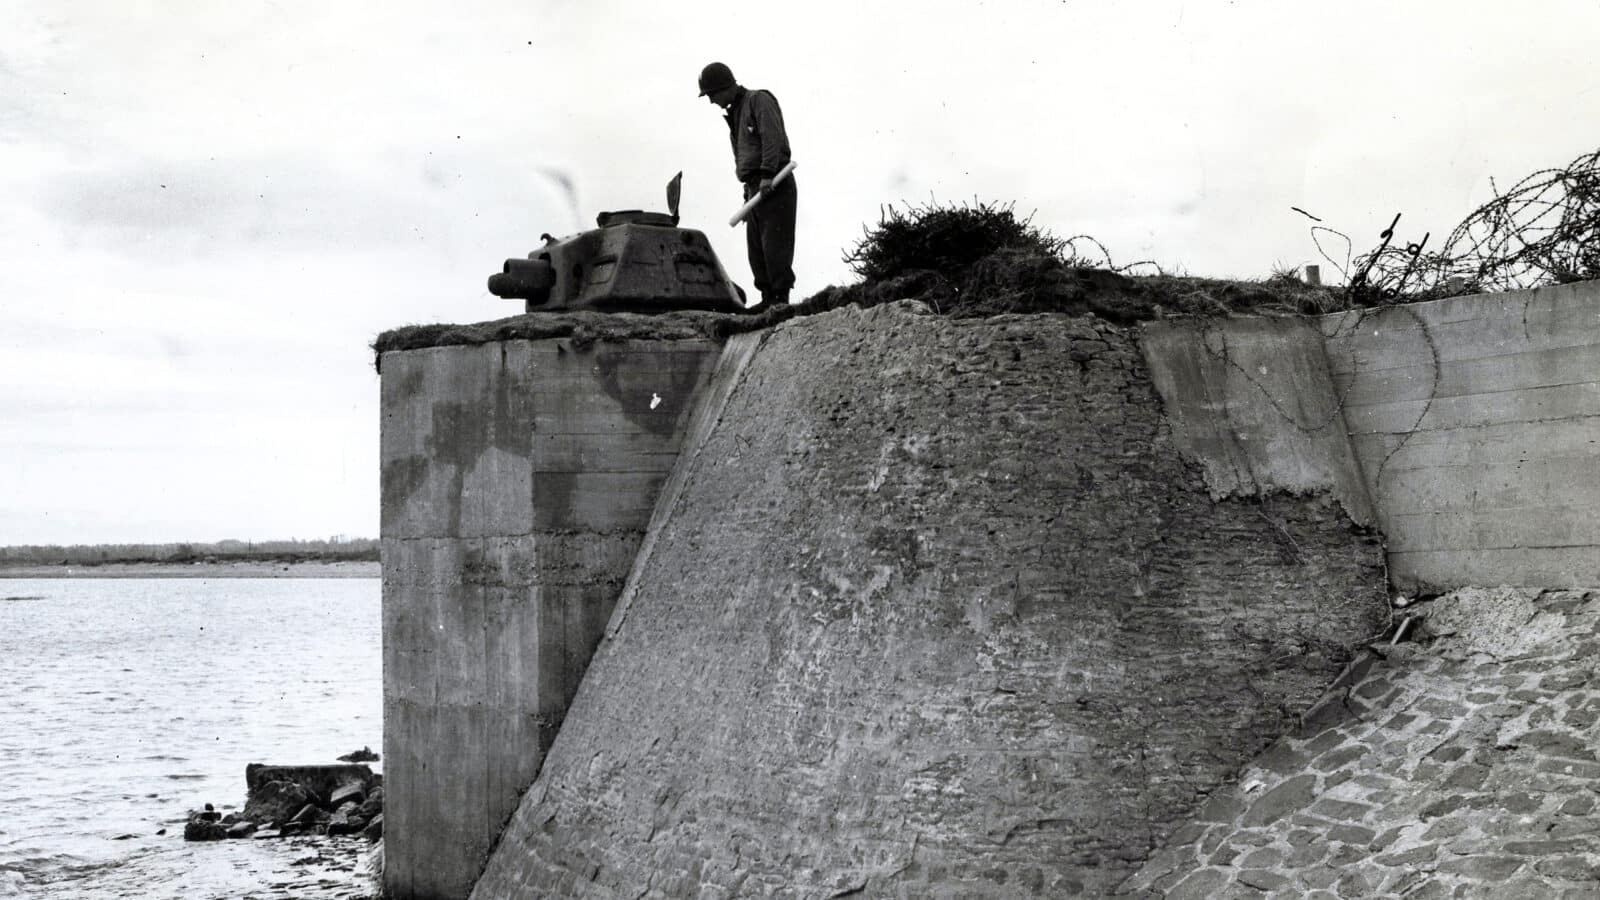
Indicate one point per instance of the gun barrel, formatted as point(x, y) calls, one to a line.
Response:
point(523, 279)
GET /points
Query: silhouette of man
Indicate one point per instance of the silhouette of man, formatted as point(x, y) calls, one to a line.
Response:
point(760, 149)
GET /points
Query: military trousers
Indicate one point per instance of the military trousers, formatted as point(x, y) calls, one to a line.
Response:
point(769, 238)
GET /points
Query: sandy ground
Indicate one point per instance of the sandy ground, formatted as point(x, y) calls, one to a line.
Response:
point(200, 570)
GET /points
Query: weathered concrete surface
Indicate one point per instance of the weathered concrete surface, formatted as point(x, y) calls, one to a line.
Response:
point(708, 411)
point(1251, 401)
point(518, 478)
point(940, 611)
point(319, 780)
point(1477, 424)
point(1464, 766)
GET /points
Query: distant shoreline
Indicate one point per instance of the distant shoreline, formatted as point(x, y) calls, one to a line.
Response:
point(341, 569)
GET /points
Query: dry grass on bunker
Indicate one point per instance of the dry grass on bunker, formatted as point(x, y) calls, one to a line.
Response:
point(980, 259)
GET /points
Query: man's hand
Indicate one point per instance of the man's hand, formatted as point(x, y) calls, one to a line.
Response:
point(766, 186)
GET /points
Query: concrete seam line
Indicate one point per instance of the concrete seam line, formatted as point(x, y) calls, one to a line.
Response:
point(674, 488)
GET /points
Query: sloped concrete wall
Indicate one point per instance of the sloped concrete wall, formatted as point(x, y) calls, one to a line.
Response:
point(941, 610)
point(1477, 424)
point(518, 479)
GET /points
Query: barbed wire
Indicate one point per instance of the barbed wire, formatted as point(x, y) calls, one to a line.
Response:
point(1544, 230)
point(1073, 257)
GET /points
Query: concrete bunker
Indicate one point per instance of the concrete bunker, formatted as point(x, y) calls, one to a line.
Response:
point(993, 613)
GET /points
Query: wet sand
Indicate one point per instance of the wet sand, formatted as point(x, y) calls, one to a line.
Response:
point(200, 570)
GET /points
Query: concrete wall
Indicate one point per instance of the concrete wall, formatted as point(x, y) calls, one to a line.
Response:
point(518, 478)
point(1476, 421)
point(941, 610)
point(1252, 402)
point(929, 606)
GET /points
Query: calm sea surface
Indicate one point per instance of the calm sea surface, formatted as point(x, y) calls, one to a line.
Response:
point(126, 702)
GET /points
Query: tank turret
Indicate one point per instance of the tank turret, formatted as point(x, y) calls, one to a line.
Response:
point(633, 261)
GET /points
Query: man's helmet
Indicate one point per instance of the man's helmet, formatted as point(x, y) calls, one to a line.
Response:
point(714, 78)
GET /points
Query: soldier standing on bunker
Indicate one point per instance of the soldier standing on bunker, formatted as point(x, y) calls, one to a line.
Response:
point(760, 149)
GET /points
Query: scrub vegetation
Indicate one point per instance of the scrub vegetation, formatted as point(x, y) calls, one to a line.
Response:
point(979, 259)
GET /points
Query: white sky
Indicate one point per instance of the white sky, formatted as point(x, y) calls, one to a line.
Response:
point(207, 210)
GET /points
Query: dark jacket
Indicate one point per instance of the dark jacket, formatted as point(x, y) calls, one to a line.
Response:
point(755, 128)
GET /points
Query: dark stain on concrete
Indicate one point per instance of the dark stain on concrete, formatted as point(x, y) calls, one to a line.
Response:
point(411, 383)
point(553, 494)
point(399, 480)
point(463, 431)
point(897, 546)
point(635, 388)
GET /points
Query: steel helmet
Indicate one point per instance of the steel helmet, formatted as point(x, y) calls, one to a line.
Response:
point(714, 78)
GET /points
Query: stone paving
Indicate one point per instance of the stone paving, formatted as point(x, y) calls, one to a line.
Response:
point(1463, 761)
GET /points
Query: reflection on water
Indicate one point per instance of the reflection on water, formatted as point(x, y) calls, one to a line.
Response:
point(126, 702)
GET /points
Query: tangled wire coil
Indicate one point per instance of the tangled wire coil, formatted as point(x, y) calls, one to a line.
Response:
point(1544, 230)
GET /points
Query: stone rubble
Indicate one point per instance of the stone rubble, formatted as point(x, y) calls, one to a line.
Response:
point(288, 800)
point(1464, 763)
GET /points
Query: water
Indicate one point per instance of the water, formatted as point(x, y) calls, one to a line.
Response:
point(126, 702)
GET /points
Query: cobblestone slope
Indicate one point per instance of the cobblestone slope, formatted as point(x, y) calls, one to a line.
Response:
point(1461, 765)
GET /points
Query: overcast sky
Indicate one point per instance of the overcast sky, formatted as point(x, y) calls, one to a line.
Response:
point(207, 210)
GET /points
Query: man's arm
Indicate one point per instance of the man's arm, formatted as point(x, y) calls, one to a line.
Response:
point(774, 140)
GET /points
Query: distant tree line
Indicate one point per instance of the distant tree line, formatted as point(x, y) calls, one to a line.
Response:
point(334, 549)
